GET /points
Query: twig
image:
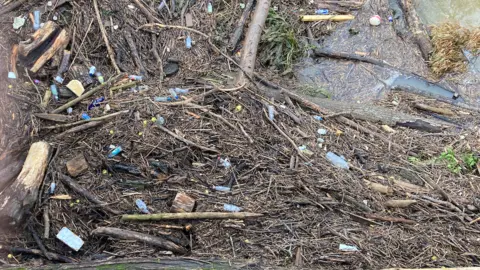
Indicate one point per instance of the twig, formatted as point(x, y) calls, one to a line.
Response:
point(46, 223)
point(134, 52)
point(390, 219)
point(145, 238)
point(80, 190)
point(146, 12)
point(250, 140)
point(54, 256)
point(108, 116)
point(86, 95)
point(237, 34)
point(286, 136)
point(193, 215)
point(105, 38)
point(130, 84)
point(81, 43)
point(80, 128)
point(166, 130)
point(38, 241)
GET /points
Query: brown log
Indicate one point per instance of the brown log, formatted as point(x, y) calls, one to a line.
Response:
point(77, 165)
point(425, 107)
point(10, 170)
point(252, 39)
point(38, 38)
point(145, 238)
point(60, 42)
point(19, 197)
point(182, 203)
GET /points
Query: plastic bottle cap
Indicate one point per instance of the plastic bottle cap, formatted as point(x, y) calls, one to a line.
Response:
point(375, 20)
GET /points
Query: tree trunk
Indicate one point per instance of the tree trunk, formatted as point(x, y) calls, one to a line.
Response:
point(19, 197)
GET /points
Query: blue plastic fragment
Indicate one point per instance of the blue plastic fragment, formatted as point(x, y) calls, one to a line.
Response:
point(51, 190)
point(59, 79)
point(181, 91)
point(318, 117)
point(85, 116)
point(142, 206)
point(221, 188)
point(162, 99)
point(321, 12)
point(188, 42)
point(231, 208)
point(96, 103)
point(115, 152)
point(349, 248)
point(92, 71)
point(54, 90)
point(36, 20)
point(135, 77)
point(70, 239)
point(12, 75)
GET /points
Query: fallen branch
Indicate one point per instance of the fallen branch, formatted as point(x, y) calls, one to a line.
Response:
point(80, 128)
point(390, 219)
point(134, 52)
point(38, 241)
point(145, 238)
point(186, 141)
point(194, 215)
point(237, 34)
point(105, 117)
point(85, 95)
point(38, 252)
point(433, 109)
point(110, 51)
point(54, 117)
point(85, 193)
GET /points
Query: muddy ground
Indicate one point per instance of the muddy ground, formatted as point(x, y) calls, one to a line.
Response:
point(309, 207)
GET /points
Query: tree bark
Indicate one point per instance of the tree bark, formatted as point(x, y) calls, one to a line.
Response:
point(19, 197)
point(249, 54)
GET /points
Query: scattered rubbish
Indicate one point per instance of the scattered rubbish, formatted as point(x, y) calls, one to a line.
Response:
point(12, 75)
point(189, 20)
point(18, 22)
point(92, 71)
point(115, 152)
point(69, 110)
point(171, 68)
point(77, 165)
point(53, 89)
point(54, 17)
point(238, 108)
point(322, 131)
point(318, 117)
point(320, 140)
point(348, 248)
point(242, 5)
point(225, 162)
point(135, 77)
point(231, 208)
point(335, 18)
point(162, 5)
point(173, 93)
point(181, 91)
point(209, 7)
point(388, 129)
point(61, 197)
point(85, 116)
point(59, 79)
point(162, 99)
point(338, 133)
point(127, 168)
point(51, 189)
point(337, 161)
point(271, 112)
point(35, 81)
point(36, 20)
point(76, 87)
point(160, 121)
point(305, 150)
point(142, 206)
point(49, 3)
point(321, 11)
point(100, 78)
point(96, 103)
point(70, 239)
point(182, 203)
point(375, 20)
point(221, 188)
point(390, 18)
point(107, 108)
point(188, 42)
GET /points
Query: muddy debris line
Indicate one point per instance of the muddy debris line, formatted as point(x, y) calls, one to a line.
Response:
point(174, 134)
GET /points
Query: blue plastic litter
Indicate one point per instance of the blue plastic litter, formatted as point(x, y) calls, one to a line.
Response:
point(96, 103)
point(59, 79)
point(221, 188)
point(188, 42)
point(135, 77)
point(85, 116)
point(181, 91)
point(54, 90)
point(51, 190)
point(318, 117)
point(11, 75)
point(92, 71)
point(271, 112)
point(231, 208)
point(322, 131)
point(162, 99)
point(349, 248)
point(115, 152)
point(36, 20)
point(69, 110)
point(173, 93)
point(70, 239)
point(210, 7)
point(337, 161)
point(142, 206)
point(321, 11)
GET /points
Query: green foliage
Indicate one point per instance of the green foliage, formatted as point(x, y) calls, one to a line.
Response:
point(279, 45)
point(413, 159)
point(469, 161)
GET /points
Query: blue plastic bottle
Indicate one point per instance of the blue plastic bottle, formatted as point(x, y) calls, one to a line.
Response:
point(36, 20)
point(162, 99)
point(188, 42)
point(142, 206)
point(85, 116)
point(231, 208)
point(115, 152)
point(337, 161)
point(54, 90)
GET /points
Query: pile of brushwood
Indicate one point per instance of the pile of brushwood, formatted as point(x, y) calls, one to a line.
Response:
point(142, 134)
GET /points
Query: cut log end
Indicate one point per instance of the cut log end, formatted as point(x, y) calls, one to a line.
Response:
point(77, 165)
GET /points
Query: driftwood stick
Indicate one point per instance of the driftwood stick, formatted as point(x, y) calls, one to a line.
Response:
point(237, 34)
point(188, 142)
point(80, 128)
point(85, 95)
point(252, 39)
point(46, 223)
point(38, 252)
point(145, 238)
point(110, 51)
point(194, 215)
point(19, 197)
point(85, 193)
point(104, 117)
point(38, 241)
point(390, 219)
point(425, 107)
point(134, 52)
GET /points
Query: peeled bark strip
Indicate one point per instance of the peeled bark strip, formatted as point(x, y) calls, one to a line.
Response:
point(252, 39)
point(145, 238)
point(19, 197)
